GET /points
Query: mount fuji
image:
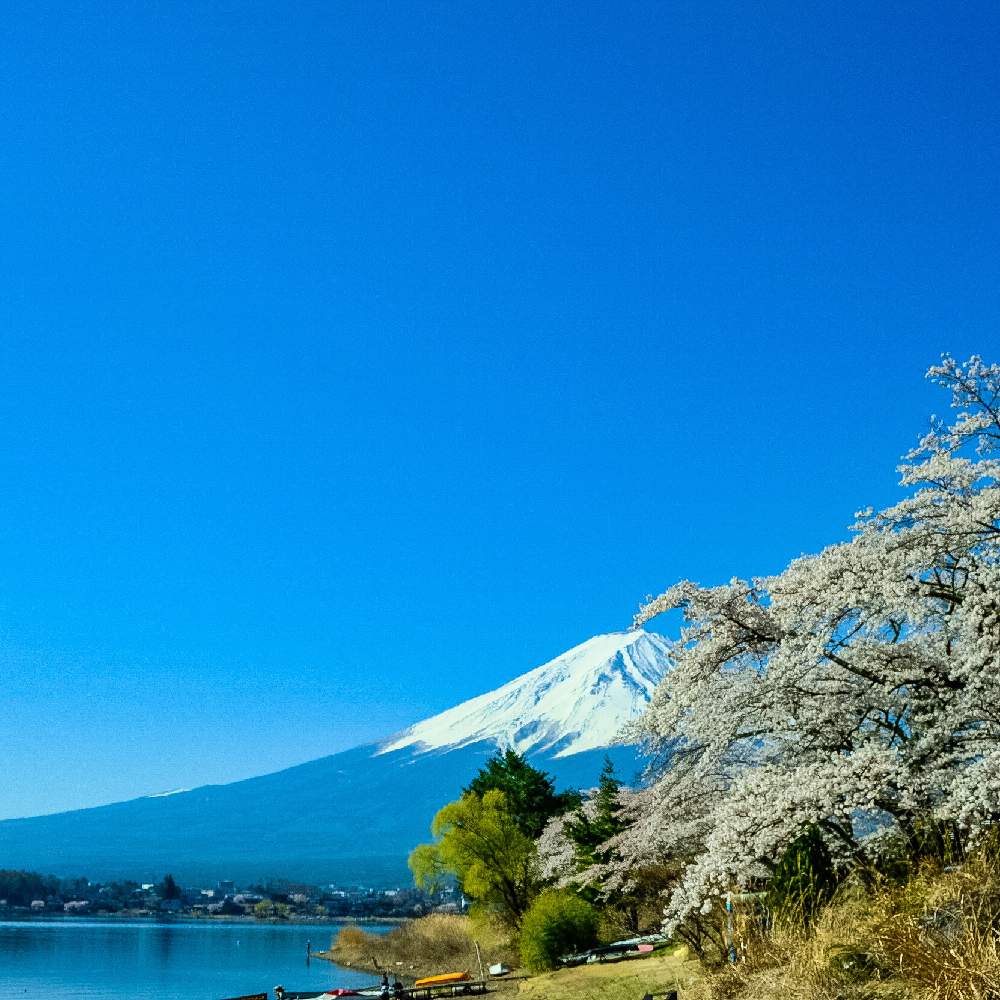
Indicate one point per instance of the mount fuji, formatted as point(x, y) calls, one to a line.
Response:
point(354, 816)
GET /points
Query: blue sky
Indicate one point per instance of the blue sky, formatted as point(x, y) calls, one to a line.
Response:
point(356, 357)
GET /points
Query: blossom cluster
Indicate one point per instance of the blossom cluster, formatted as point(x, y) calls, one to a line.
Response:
point(857, 691)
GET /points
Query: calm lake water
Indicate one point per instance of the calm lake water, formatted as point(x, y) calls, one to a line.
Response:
point(139, 960)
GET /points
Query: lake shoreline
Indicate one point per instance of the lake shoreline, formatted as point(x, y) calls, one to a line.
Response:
point(21, 916)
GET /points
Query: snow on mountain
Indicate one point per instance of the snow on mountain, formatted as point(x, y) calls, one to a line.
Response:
point(577, 702)
point(353, 816)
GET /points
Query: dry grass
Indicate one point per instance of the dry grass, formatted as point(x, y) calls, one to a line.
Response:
point(941, 932)
point(436, 943)
point(936, 937)
point(829, 963)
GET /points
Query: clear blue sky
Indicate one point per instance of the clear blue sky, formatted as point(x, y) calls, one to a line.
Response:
point(358, 356)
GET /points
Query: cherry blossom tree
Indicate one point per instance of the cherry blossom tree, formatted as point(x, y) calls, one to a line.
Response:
point(856, 692)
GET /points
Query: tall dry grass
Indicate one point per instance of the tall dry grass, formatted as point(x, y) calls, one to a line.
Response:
point(436, 943)
point(941, 931)
point(934, 937)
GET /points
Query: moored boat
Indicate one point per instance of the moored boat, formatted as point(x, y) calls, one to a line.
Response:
point(445, 979)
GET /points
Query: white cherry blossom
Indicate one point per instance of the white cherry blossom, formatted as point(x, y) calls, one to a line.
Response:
point(858, 690)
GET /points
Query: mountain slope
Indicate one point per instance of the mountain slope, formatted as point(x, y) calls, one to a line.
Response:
point(578, 701)
point(353, 816)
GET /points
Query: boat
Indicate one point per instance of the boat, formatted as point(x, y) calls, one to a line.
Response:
point(637, 947)
point(364, 991)
point(320, 995)
point(445, 979)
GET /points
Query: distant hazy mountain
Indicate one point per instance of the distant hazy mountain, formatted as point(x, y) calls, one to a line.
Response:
point(355, 815)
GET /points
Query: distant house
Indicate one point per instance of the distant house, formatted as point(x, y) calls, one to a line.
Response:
point(74, 906)
point(38, 904)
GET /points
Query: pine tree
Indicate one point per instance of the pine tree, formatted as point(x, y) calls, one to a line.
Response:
point(591, 828)
point(169, 888)
point(530, 793)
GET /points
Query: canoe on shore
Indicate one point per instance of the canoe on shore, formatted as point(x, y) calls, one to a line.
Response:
point(445, 979)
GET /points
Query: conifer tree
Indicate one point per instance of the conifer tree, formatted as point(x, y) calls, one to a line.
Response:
point(591, 827)
point(530, 793)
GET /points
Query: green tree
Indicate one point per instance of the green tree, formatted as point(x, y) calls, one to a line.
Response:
point(20, 888)
point(169, 888)
point(429, 872)
point(268, 909)
point(804, 879)
point(479, 840)
point(559, 923)
point(530, 793)
point(591, 829)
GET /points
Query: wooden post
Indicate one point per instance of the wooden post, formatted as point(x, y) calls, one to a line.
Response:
point(730, 938)
point(479, 955)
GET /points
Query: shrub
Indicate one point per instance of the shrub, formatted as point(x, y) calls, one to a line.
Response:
point(804, 880)
point(353, 942)
point(557, 923)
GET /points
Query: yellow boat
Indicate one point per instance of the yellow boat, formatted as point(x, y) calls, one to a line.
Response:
point(444, 979)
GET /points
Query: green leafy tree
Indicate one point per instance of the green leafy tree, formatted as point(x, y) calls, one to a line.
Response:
point(169, 888)
point(20, 888)
point(429, 872)
point(530, 793)
point(558, 923)
point(480, 842)
point(268, 909)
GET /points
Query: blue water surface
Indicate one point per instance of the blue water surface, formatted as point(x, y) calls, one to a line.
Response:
point(78, 959)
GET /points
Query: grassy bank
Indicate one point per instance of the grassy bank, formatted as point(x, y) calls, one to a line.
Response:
point(627, 980)
point(436, 943)
point(439, 943)
point(935, 937)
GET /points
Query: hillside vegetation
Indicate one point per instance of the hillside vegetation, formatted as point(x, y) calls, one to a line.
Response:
point(932, 937)
point(436, 943)
point(821, 813)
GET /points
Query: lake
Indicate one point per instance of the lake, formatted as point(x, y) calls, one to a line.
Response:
point(146, 960)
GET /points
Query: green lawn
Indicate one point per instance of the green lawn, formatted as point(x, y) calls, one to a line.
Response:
point(628, 980)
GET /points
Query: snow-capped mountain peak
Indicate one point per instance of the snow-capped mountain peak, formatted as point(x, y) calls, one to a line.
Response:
point(578, 701)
